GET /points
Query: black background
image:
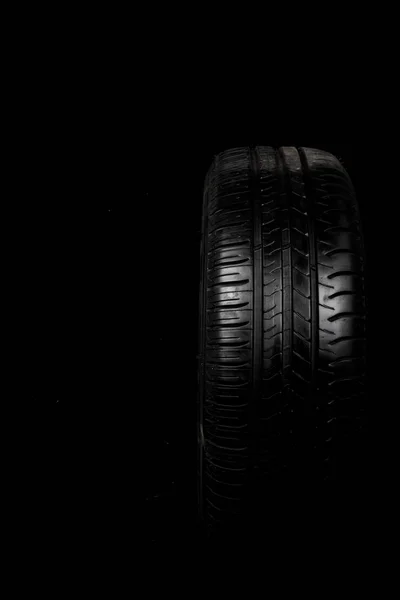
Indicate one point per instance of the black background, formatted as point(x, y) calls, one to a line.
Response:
point(104, 240)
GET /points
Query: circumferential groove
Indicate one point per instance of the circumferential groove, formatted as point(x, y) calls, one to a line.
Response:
point(258, 287)
point(287, 276)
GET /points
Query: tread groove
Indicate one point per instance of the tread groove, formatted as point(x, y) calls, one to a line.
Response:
point(343, 293)
point(258, 299)
point(344, 273)
point(345, 314)
point(314, 306)
point(336, 251)
point(287, 277)
point(346, 338)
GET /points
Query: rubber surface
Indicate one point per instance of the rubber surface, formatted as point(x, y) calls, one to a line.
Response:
point(282, 327)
